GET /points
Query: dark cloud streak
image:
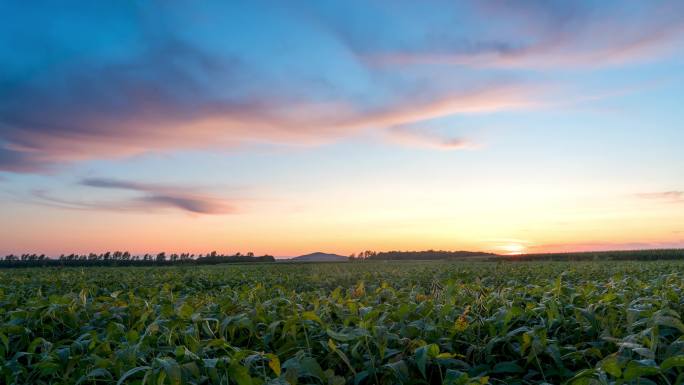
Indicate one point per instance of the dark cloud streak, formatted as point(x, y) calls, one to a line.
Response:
point(149, 197)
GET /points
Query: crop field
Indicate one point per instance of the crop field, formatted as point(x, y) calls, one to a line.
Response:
point(345, 323)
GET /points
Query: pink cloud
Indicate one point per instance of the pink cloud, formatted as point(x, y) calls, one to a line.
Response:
point(89, 133)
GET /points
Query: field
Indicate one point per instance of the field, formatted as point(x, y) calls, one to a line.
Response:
point(345, 323)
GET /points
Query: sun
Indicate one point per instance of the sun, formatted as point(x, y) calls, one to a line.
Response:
point(513, 248)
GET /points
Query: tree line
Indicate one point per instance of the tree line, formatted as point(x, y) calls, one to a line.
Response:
point(618, 255)
point(614, 255)
point(125, 258)
point(416, 255)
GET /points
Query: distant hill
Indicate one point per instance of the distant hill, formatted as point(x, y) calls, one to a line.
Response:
point(320, 257)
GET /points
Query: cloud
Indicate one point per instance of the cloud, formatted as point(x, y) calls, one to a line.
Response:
point(664, 196)
point(159, 88)
point(164, 83)
point(148, 197)
point(423, 138)
point(540, 35)
point(603, 246)
point(99, 110)
point(123, 116)
point(18, 161)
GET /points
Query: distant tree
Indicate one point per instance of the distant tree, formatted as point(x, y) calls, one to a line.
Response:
point(161, 257)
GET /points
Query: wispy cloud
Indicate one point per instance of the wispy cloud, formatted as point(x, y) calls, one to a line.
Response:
point(603, 246)
point(423, 138)
point(664, 196)
point(147, 197)
point(540, 35)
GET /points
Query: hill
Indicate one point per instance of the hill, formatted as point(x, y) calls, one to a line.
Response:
point(320, 257)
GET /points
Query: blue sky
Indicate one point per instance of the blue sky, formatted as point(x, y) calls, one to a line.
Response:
point(288, 128)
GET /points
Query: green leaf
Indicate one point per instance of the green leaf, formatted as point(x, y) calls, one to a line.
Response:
point(423, 353)
point(132, 336)
point(311, 316)
point(240, 374)
point(185, 311)
point(360, 376)
point(421, 360)
point(210, 362)
point(341, 354)
point(672, 362)
point(343, 337)
point(48, 367)
point(172, 370)
point(508, 367)
point(310, 365)
point(131, 373)
point(640, 368)
point(432, 350)
point(291, 376)
point(95, 373)
point(456, 377)
point(583, 377)
point(611, 365)
point(668, 321)
point(4, 340)
point(400, 370)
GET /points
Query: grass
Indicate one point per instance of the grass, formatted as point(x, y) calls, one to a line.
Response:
point(432, 322)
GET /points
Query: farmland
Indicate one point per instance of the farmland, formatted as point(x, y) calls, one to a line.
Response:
point(373, 322)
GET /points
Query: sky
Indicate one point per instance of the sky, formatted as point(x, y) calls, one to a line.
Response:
point(291, 127)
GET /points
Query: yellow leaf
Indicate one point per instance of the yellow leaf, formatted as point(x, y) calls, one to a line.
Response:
point(311, 316)
point(461, 324)
point(359, 290)
point(274, 363)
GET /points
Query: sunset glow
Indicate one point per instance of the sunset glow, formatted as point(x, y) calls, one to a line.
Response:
point(291, 128)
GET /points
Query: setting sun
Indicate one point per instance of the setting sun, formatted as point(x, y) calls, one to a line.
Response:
point(512, 249)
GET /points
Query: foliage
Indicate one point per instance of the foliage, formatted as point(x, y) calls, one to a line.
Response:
point(424, 255)
point(615, 255)
point(125, 258)
point(345, 323)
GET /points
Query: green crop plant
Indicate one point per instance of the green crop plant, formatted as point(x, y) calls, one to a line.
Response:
point(430, 322)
